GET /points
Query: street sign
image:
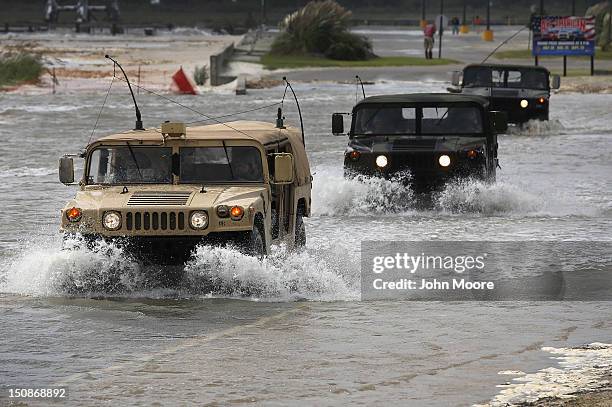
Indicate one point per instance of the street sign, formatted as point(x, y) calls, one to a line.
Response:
point(563, 36)
point(444, 21)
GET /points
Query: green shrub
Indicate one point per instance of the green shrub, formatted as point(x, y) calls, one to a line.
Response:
point(200, 75)
point(321, 28)
point(19, 68)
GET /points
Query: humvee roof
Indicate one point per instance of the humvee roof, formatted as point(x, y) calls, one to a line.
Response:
point(504, 66)
point(262, 132)
point(424, 98)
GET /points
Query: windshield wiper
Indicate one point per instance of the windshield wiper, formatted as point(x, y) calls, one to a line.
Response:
point(229, 164)
point(134, 158)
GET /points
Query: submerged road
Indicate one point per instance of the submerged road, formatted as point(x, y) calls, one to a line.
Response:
point(304, 336)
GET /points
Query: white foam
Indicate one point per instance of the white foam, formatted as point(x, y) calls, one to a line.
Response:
point(580, 369)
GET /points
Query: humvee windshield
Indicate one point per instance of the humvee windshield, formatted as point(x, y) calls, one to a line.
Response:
point(516, 78)
point(399, 120)
point(153, 165)
point(130, 165)
point(220, 164)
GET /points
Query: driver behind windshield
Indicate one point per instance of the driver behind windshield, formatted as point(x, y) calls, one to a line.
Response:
point(137, 166)
point(478, 77)
point(245, 165)
point(382, 121)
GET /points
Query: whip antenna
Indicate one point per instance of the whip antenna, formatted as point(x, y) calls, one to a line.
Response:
point(298, 108)
point(138, 116)
point(361, 83)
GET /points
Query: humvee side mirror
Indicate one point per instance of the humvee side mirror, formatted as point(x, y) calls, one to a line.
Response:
point(456, 78)
point(556, 82)
point(500, 121)
point(283, 168)
point(66, 170)
point(337, 124)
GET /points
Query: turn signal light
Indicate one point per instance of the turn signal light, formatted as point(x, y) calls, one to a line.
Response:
point(354, 155)
point(471, 154)
point(222, 211)
point(541, 101)
point(74, 214)
point(236, 212)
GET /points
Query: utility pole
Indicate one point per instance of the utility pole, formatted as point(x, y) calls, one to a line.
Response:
point(441, 25)
point(263, 12)
point(487, 35)
point(573, 7)
point(423, 13)
point(609, 25)
point(465, 28)
point(541, 7)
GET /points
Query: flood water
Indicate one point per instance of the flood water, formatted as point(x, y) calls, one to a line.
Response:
point(293, 329)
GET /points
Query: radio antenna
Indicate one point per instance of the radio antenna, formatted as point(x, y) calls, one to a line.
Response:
point(298, 108)
point(361, 83)
point(138, 116)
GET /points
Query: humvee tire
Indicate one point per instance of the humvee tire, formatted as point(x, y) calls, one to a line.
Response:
point(253, 244)
point(300, 233)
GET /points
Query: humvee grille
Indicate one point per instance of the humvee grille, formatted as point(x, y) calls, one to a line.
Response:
point(159, 198)
point(155, 220)
point(416, 161)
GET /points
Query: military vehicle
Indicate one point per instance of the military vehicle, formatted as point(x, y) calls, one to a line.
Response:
point(521, 91)
point(431, 137)
point(161, 192)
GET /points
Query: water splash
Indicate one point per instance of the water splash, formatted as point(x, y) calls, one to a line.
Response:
point(335, 195)
point(472, 196)
point(280, 276)
point(48, 270)
point(105, 269)
point(534, 128)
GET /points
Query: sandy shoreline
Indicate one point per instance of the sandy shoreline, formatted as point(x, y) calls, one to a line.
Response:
point(79, 64)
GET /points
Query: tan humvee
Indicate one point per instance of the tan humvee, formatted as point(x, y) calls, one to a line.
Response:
point(164, 192)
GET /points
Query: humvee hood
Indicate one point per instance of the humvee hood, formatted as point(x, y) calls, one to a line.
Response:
point(179, 197)
point(428, 143)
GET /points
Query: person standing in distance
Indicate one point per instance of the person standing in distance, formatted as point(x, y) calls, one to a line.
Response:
point(429, 31)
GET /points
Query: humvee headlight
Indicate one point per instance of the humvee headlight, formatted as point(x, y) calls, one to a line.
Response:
point(236, 212)
point(74, 214)
point(198, 220)
point(524, 103)
point(444, 160)
point(111, 220)
point(382, 161)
